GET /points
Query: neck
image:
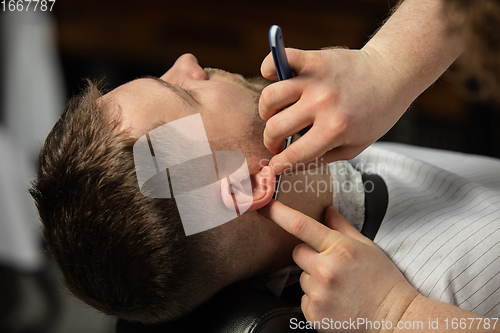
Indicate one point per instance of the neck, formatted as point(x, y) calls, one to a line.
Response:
point(309, 191)
point(255, 246)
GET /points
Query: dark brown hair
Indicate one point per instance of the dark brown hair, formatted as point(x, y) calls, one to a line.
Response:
point(119, 251)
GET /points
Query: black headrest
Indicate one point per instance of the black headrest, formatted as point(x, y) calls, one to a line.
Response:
point(235, 309)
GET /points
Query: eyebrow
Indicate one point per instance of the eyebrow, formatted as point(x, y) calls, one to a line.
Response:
point(178, 91)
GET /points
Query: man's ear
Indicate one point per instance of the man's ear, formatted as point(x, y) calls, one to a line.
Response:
point(262, 190)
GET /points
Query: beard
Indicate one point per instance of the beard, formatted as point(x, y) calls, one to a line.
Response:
point(256, 84)
point(251, 142)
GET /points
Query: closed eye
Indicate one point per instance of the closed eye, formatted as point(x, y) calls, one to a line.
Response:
point(188, 91)
point(185, 88)
point(181, 89)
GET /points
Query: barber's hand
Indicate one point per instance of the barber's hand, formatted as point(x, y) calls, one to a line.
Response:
point(346, 276)
point(350, 97)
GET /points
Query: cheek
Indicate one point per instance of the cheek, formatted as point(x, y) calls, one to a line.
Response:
point(229, 116)
point(234, 99)
point(235, 113)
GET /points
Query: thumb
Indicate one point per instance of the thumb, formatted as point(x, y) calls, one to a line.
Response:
point(335, 221)
point(267, 68)
point(296, 59)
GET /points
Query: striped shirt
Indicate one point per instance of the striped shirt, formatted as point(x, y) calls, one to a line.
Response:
point(442, 225)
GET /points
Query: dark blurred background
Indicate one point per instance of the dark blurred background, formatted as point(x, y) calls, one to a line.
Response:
point(121, 40)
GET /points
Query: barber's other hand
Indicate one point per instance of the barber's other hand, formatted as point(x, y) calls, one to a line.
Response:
point(346, 276)
point(350, 97)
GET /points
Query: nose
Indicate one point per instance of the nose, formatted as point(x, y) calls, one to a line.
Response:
point(185, 67)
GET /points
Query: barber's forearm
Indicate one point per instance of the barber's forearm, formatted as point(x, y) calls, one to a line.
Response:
point(416, 47)
point(426, 315)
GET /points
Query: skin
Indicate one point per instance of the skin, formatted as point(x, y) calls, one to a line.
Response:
point(353, 97)
point(227, 104)
point(339, 263)
point(337, 259)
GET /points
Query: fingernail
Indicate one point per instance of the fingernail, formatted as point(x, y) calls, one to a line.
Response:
point(271, 165)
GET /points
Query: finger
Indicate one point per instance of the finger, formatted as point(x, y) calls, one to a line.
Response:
point(267, 68)
point(278, 96)
point(336, 221)
point(284, 124)
point(296, 59)
point(305, 257)
point(309, 148)
point(304, 305)
point(310, 231)
point(340, 153)
point(305, 282)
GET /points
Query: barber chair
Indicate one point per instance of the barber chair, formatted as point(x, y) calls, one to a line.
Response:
point(235, 309)
point(239, 309)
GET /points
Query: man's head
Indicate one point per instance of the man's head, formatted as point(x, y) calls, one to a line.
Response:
point(122, 252)
point(226, 102)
